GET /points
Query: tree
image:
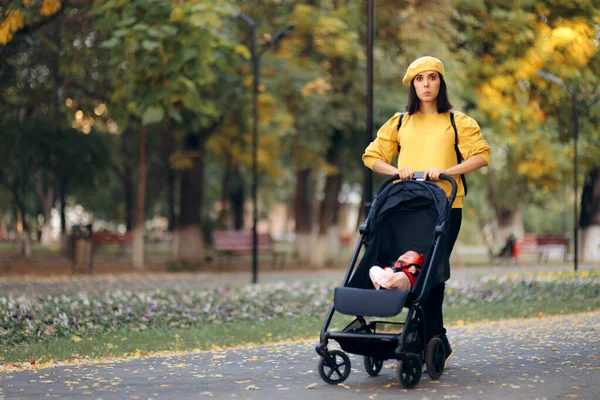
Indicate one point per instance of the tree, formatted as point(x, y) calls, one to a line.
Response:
point(164, 56)
point(530, 154)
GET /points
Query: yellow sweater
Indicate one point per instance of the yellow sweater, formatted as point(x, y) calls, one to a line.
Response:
point(427, 141)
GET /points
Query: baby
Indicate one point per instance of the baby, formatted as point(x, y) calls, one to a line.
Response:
point(400, 275)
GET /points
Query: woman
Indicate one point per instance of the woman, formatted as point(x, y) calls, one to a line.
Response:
point(425, 138)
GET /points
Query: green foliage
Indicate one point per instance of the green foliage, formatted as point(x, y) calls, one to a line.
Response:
point(164, 55)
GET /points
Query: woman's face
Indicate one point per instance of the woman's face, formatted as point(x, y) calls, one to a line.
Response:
point(427, 86)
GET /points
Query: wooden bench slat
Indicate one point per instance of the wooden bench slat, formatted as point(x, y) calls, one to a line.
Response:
point(543, 245)
point(100, 238)
point(241, 242)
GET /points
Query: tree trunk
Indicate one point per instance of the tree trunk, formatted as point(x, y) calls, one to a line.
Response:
point(24, 244)
point(589, 221)
point(168, 149)
point(172, 215)
point(303, 215)
point(190, 239)
point(64, 240)
point(127, 176)
point(47, 197)
point(223, 217)
point(138, 230)
point(323, 253)
point(237, 198)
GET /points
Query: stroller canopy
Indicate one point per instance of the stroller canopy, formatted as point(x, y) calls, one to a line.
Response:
point(403, 217)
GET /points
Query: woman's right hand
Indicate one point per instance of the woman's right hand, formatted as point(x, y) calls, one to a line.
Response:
point(405, 173)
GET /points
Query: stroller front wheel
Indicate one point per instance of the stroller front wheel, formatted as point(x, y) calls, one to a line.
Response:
point(409, 370)
point(335, 368)
point(435, 358)
point(373, 365)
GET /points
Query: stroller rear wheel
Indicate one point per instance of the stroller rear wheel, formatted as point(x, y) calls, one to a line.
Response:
point(373, 365)
point(409, 370)
point(337, 369)
point(435, 358)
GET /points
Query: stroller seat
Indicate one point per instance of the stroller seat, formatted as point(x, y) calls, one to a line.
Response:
point(369, 302)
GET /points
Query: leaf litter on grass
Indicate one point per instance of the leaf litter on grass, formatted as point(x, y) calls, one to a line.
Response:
point(26, 319)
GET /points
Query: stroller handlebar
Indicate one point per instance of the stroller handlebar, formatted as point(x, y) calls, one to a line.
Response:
point(418, 176)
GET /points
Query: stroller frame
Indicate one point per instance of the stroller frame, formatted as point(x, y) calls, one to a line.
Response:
point(361, 337)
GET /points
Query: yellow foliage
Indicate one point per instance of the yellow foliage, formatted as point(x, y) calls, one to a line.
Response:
point(285, 50)
point(562, 36)
point(242, 51)
point(14, 20)
point(50, 7)
point(488, 59)
point(176, 14)
point(11, 25)
point(330, 26)
point(569, 45)
point(181, 161)
point(318, 86)
point(305, 17)
point(492, 99)
point(539, 161)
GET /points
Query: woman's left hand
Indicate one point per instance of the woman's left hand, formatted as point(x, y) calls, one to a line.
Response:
point(433, 174)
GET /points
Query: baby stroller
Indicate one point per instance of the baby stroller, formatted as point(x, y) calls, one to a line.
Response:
point(407, 215)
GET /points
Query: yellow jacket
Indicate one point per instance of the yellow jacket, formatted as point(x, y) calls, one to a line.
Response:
point(427, 141)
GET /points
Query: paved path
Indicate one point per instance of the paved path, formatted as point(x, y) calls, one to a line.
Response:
point(550, 358)
point(182, 281)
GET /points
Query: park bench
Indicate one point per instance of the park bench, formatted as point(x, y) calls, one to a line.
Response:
point(544, 245)
point(239, 243)
point(100, 239)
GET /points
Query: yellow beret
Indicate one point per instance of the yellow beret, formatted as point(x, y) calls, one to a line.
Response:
point(420, 65)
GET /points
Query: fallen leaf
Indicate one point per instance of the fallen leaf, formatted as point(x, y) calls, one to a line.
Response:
point(311, 386)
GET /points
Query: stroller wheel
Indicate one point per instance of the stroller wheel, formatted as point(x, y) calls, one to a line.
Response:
point(373, 365)
point(435, 358)
point(338, 371)
point(409, 370)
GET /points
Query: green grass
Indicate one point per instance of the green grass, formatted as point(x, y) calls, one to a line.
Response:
point(125, 342)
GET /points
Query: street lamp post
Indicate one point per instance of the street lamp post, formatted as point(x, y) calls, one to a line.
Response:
point(255, 56)
point(368, 189)
point(575, 123)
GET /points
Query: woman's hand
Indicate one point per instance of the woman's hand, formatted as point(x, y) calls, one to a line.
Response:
point(405, 173)
point(433, 174)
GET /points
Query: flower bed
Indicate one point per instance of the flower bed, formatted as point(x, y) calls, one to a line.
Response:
point(27, 319)
point(526, 287)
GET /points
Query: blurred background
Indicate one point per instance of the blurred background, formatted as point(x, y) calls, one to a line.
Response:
point(128, 137)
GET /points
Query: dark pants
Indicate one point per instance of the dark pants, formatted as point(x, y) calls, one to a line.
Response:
point(432, 307)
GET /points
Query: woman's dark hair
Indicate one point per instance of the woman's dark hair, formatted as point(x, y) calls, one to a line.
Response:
point(443, 104)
